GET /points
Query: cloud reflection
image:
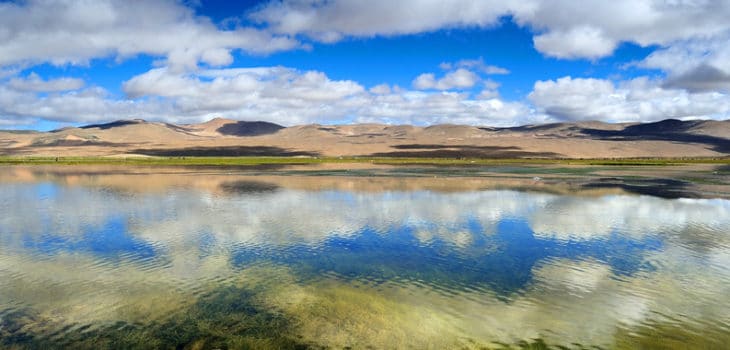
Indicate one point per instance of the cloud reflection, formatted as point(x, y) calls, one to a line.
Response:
point(414, 256)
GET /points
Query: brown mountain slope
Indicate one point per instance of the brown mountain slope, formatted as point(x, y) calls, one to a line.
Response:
point(668, 138)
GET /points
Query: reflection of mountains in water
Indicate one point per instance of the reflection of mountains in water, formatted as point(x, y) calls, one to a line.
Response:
point(588, 181)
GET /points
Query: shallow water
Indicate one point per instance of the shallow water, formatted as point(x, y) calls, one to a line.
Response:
point(230, 258)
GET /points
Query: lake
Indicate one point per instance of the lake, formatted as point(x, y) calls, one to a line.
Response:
point(364, 256)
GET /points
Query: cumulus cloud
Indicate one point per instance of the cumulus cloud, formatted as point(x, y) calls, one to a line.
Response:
point(693, 35)
point(92, 104)
point(290, 97)
point(684, 55)
point(380, 89)
point(74, 32)
point(35, 83)
point(461, 75)
point(701, 78)
point(418, 108)
point(477, 64)
point(563, 29)
point(576, 42)
point(696, 65)
point(458, 79)
point(332, 20)
point(278, 94)
point(594, 28)
point(640, 99)
point(63, 32)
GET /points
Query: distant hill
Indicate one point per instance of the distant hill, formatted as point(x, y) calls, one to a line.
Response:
point(219, 136)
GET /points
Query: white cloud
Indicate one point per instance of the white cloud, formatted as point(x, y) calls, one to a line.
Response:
point(693, 36)
point(639, 99)
point(63, 32)
point(701, 78)
point(380, 89)
point(490, 90)
point(577, 42)
point(82, 106)
point(330, 21)
point(458, 79)
point(417, 107)
point(290, 97)
point(477, 64)
point(278, 94)
point(698, 65)
point(591, 30)
point(34, 83)
point(487, 94)
point(685, 55)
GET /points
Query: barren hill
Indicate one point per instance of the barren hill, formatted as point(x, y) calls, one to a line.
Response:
point(226, 137)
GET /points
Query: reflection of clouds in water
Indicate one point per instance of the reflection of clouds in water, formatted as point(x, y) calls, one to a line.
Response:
point(576, 300)
point(571, 218)
point(290, 216)
point(34, 211)
point(577, 277)
point(67, 291)
point(590, 308)
point(281, 217)
point(585, 292)
point(571, 302)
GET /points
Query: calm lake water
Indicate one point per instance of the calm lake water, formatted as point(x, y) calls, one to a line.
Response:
point(121, 257)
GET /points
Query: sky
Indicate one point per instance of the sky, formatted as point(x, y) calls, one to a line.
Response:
point(421, 62)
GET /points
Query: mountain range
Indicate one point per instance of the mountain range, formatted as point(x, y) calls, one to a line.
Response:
point(226, 137)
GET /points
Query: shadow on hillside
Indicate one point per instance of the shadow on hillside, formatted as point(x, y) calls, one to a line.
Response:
point(231, 151)
point(667, 130)
point(462, 151)
point(528, 128)
point(111, 125)
point(244, 128)
point(663, 188)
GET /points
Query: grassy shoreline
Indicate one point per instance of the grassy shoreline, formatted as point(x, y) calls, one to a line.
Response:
point(244, 161)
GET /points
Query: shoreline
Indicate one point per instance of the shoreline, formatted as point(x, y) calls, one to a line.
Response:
point(298, 160)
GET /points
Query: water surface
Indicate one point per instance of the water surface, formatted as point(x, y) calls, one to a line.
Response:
point(123, 257)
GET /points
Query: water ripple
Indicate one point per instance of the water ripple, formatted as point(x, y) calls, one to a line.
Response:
point(339, 268)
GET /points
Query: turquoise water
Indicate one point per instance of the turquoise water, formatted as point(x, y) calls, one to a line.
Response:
point(227, 259)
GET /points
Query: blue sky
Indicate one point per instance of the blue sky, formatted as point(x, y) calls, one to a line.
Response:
point(420, 62)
